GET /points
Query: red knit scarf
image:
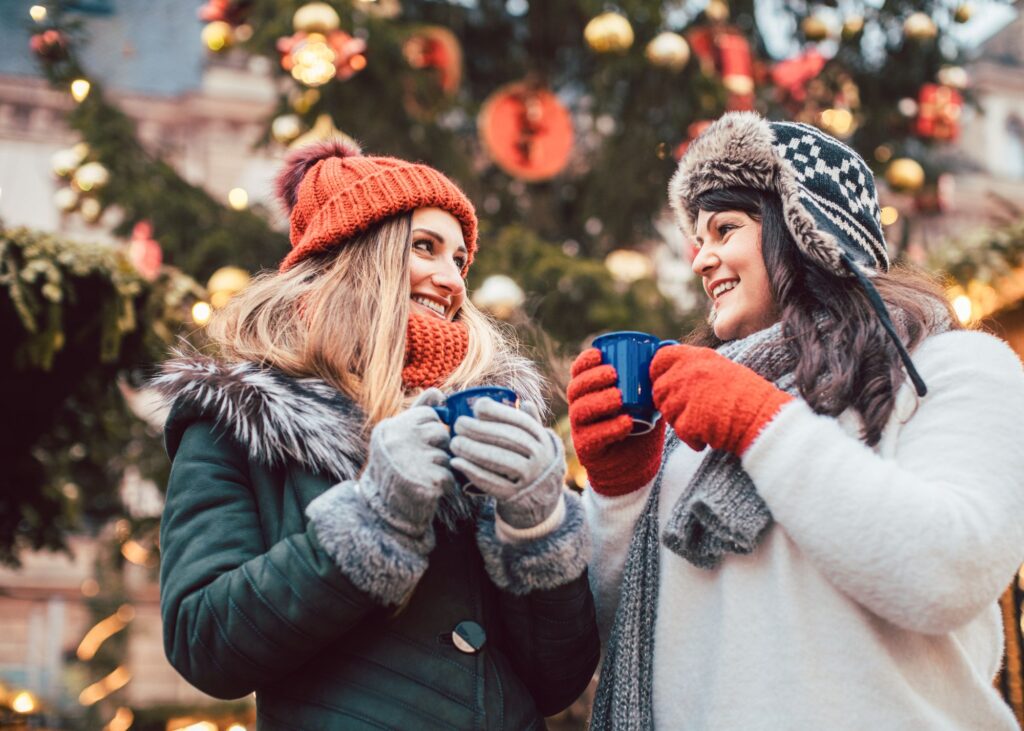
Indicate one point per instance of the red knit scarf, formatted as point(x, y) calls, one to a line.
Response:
point(434, 348)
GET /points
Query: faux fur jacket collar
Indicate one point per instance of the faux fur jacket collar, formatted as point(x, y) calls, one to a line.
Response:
point(280, 419)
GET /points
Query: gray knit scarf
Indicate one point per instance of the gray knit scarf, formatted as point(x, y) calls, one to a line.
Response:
point(719, 511)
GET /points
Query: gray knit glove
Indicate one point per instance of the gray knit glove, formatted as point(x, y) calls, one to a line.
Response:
point(407, 470)
point(509, 454)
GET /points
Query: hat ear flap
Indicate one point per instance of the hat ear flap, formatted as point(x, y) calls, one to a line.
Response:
point(299, 162)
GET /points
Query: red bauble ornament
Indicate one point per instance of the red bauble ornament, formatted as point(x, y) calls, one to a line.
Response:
point(144, 253)
point(792, 75)
point(527, 131)
point(49, 45)
point(938, 112)
point(724, 50)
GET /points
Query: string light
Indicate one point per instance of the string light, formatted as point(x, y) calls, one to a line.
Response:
point(889, 215)
point(135, 551)
point(38, 13)
point(201, 313)
point(80, 89)
point(238, 199)
point(962, 307)
point(24, 702)
point(121, 721)
point(117, 679)
point(104, 630)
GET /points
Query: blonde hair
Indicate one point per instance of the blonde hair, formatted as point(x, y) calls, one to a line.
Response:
point(341, 317)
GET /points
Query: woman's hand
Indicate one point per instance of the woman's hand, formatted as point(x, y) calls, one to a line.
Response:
point(407, 470)
point(711, 401)
point(616, 462)
point(509, 454)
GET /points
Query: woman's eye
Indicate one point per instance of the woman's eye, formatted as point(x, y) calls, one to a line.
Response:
point(423, 245)
point(725, 228)
point(460, 262)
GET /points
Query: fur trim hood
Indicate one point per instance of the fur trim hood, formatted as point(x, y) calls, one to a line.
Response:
point(827, 190)
point(280, 419)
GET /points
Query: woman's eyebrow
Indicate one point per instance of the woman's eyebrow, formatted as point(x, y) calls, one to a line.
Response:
point(428, 232)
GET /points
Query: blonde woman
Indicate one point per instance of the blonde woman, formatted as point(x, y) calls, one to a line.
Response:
point(316, 550)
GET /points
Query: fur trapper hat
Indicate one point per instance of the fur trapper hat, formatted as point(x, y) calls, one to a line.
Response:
point(827, 190)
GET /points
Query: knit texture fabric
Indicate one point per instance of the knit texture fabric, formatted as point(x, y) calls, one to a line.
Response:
point(828, 192)
point(334, 192)
point(720, 511)
point(434, 348)
point(624, 700)
point(616, 462)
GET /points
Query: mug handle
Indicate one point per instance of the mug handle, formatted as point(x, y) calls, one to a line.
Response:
point(663, 343)
point(442, 413)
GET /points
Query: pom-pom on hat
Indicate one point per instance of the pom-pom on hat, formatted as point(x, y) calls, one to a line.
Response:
point(334, 192)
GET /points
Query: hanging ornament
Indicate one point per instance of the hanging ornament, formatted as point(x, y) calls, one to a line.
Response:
point(905, 175)
point(609, 33)
point(65, 199)
point(954, 77)
point(919, 27)
point(814, 28)
point(218, 36)
point(90, 176)
point(50, 45)
point(316, 18)
point(90, 209)
point(852, 27)
point(527, 131)
point(717, 11)
point(724, 50)
point(963, 13)
point(225, 283)
point(436, 52)
point(286, 128)
point(314, 59)
point(66, 161)
point(144, 252)
point(322, 129)
point(791, 76)
point(668, 50)
point(938, 112)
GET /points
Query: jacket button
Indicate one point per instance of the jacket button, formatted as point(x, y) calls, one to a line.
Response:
point(469, 637)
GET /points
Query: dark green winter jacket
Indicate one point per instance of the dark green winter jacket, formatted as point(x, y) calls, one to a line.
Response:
point(260, 593)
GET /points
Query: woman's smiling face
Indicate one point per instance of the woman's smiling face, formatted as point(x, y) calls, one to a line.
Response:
point(436, 261)
point(730, 264)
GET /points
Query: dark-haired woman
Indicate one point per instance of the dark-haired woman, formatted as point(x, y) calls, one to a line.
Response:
point(816, 534)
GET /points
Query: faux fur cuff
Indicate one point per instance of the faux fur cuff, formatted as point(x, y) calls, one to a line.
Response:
point(384, 564)
point(545, 563)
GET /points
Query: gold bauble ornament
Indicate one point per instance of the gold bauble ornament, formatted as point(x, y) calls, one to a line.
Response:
point(65, 161)
point(217, 36)
point(852, 27)
point(963, 13)
point(90, 209)
point(316, 18)
point(814, 28)
point(905, 175)
point(286, 128)
point(91, 176)
point(609, 33)
point(717, 11)
point(919, 27)
point(668, 50)
point(66, 199)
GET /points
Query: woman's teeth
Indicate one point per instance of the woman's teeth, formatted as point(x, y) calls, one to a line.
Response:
point(722, 288)
point(430, 304)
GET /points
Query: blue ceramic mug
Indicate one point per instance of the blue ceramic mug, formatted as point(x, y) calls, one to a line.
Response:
point(631, 354)
point(461, 403)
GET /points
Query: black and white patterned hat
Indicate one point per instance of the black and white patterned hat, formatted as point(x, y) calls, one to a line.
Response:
point(828, 192)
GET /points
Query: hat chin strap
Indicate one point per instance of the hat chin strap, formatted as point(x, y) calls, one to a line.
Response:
point(883, 315)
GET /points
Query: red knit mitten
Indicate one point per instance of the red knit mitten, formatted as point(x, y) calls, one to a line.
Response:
point(616, 462)
point(710, 400)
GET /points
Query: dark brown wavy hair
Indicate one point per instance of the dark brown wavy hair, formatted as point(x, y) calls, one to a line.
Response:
point(851, 363)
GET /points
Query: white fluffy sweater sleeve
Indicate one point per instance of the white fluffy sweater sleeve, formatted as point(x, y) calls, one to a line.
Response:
point(926, 539)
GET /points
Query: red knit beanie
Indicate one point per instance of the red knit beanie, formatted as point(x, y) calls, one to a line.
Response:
point(334, 192)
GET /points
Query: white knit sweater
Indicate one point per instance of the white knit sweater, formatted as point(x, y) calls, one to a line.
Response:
point(871, 602)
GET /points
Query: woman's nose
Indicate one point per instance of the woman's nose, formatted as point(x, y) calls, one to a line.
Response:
point(449, 277)
point(704, 261)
